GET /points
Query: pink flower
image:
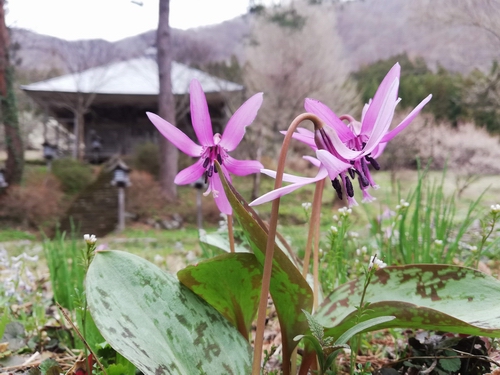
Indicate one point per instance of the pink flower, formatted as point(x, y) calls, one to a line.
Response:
point(212, 146)
point(345, 150)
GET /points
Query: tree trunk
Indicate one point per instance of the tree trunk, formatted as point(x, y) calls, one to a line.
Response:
point(166, 105)
point(15, 150)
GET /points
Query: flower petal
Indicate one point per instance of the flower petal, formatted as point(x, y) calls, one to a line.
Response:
point(333, 165)
point(220, 195)
point(383, 120)
point(174, 135)
point(329, 117)
point(190, 174)
point(200, 116)
point(384, 90)
point(277, 193)
point(389, 135)
point(242, 167)
point(305, 136)
point(244, 116)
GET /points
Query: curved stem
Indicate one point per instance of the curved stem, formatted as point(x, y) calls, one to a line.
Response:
point(268, 262)
point(230, 232)
point(318, 198)
point(314, 233)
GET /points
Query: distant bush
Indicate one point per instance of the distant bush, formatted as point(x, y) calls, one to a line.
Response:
point(144, 196)
point(146, 158)
point(34, 204)
point(73, 175)
point(418, 81)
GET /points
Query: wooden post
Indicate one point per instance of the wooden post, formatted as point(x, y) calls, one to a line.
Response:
point(121, 209)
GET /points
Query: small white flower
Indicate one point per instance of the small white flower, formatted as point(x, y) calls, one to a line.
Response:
point(306, 205)
point(495, 208)
point(90, 238)
point(438, 242)
point(473, 248)
point(334, 229)
point(376, 262)
point(335, 218)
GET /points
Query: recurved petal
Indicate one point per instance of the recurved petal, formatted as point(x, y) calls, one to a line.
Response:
point(277, 193)
point(242, 167)
point(388, 136)
point(220, 195)
point(384, 90)
point(200, 116)
point(329, 117)
point(174, 135)
point(244, 116)
point(333, 165)
point(190, 174)
point(304, 136)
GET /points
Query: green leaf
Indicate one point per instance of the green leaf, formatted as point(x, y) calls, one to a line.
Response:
point(157, 323)
point(231, 283)
point(426, 296)
point(450, 364)
point(363, 326)
point(215, 243)
point(290, 291)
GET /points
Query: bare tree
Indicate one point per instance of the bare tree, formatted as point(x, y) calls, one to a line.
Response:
point(15, 150)
point(166, 103)
point(295, 52)
point(79, 57)
point(484, 14)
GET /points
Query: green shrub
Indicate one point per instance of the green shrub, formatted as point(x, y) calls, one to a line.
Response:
point(73, 175)
point(147, 158)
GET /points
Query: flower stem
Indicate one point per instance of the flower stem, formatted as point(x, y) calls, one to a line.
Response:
point(268, 262)
point(230, 232)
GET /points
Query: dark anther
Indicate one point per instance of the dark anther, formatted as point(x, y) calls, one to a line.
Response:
point(210, 171)
point(352, 172)
point(351, 161)
point(364, 167)
point(373, 162)
point(205, 163)
point(206, 177)
point(363, 181)
point(348, 187)
point(219, 159)
point(337, 187)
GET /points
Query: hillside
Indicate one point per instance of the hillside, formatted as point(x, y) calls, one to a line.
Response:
point(370, 30)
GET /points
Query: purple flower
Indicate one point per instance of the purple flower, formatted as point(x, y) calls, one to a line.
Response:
point(213, 146)
point(360, 143)
point(346, 150)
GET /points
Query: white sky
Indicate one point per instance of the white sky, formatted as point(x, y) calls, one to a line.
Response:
point(114, 19)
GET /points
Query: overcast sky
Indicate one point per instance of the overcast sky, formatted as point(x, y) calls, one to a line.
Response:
point(114, 19)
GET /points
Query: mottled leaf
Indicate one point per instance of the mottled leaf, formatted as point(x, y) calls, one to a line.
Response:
point(290, 291)
point(447, 298)
point(215, 243)
point(157, 323)
point(231, 283)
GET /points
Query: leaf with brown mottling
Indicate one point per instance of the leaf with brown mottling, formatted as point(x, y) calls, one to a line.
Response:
point(428, 296)
point(231, 283)
point(290, 291)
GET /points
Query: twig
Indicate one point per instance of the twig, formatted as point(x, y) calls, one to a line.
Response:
point(81, 337)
